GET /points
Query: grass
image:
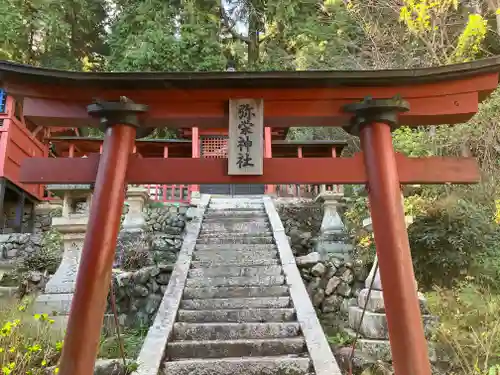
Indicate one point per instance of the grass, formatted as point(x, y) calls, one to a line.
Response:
point(132, 339)
point(468, 334)
point(30, 345)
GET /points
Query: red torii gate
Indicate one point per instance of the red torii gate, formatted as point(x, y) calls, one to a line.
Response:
point(444, 95)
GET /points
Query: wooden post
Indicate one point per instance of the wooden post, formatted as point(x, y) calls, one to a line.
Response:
point(195, 150)
point(94, 275)
point(268, 154)
point(20, 211)
point(2, 202)
point(71, 151)
point(336, 188)
point(406, 332)
point(298, 187)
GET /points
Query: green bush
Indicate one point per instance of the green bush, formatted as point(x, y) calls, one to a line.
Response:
point(468, 334)
point(28, 344)
point(455, 238)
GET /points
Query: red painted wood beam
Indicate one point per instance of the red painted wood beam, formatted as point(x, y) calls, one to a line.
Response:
point(429, 110)
point(486, 82)
point(430, 170)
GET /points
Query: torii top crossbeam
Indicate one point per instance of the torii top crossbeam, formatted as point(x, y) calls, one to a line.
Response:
point(442, 95)
point(360, 101)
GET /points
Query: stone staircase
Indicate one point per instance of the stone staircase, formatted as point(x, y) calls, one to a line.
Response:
point(236, 315)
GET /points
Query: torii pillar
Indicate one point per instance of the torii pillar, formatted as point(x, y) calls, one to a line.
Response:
point(120, 122)
point(374, 120)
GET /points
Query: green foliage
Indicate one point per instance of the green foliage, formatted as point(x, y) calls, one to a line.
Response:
point(340, 339)
point(28, 343)
point(48, 257)
point(454, 239)
point(411, 141)
point(64, 35)
point(468, 333)
point(132, 339)
point(157, 36)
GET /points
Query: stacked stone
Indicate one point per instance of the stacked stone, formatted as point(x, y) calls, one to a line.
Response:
point(331, 284)
point(373, 329)
point(139, 293)
point(301, 219)
point(167, 219)
point(374, 334)
point(165, 248)
point(18, 245)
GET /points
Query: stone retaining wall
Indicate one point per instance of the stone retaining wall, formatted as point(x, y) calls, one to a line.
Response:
point(332, 284)
point(17, 245)
point(139, 293)
point(169, 219)
point(301, 219)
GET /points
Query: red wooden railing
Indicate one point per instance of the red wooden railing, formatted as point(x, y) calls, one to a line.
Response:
point(302, 191)
point(170, 193)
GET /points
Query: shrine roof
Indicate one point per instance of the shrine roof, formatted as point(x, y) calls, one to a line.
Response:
point(440, 95)
point(226, 80)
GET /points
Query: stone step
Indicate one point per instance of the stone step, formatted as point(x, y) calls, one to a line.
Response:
point(263, 315)
point(232, 255)
point(235, 226)
point(234, 214)
point(235, 303)
point(234, 331)
point(236, 292)
point(235, 348)
point(234, 235)
point(248, 232)
point(232, 219)
point(235, 239)
point(278, 365)
point(239, 247)
point(235, 281)
point(252, 208)
point(235, 271)
point(249, 263)
point(235, 201)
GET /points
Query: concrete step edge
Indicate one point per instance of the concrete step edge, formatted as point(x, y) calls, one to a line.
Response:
point(236, 347)
point(277, 315)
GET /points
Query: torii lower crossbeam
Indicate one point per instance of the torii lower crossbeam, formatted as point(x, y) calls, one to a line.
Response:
point(430, 170)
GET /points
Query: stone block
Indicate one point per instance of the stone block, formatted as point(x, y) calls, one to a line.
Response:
point(374, 325)
point(236, 348)
point(237, 315)
point(332, 303)
point(308, 260)
point(332, 285)
point(234, 331)
point(381, 349)
point(318, 270)
point(376, 301)
point(240, 366)
point(53, 304)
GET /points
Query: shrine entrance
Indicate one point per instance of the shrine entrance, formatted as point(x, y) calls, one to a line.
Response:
point(368, 104)
point(215, 147)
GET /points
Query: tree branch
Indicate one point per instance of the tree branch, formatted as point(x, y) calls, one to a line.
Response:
point(229, 24)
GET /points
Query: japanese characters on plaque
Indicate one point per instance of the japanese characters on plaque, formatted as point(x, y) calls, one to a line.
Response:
point(246, 134)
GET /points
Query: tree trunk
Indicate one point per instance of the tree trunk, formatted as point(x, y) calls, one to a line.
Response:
point(253, 42)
